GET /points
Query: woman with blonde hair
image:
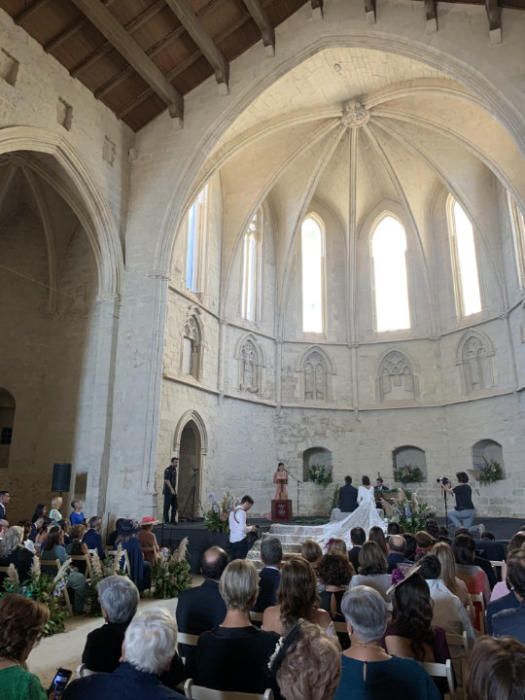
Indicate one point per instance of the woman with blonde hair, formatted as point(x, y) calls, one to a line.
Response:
point(455, 585)
point(297, 599)
point(54, 514)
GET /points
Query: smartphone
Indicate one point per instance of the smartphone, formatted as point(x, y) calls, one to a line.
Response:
point(59, 682)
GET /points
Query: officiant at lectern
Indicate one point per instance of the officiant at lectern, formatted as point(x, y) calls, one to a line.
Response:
point(280, 479)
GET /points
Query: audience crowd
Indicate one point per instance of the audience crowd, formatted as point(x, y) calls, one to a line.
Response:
point(396, 616)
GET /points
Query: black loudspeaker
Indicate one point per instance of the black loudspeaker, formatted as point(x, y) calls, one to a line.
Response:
point(61, 477)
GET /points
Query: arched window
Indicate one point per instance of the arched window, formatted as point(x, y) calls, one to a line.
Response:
point(315, 377)
point(475, 352)
point(464, 260)
point(396, 378)
point(312, 258)
point(192, 348)
point(389, 244)
point(518, 231)
point(250, 267)
point(7, 418)
point(196, 225)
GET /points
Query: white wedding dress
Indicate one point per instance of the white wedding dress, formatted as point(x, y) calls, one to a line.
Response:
point(365, 516)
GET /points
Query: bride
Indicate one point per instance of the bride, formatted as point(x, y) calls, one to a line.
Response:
point(365, 516)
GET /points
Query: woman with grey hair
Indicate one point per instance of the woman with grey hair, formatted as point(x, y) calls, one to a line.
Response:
point(13, 552)
point(367, 670)
point(147, 652)
point(234, 656)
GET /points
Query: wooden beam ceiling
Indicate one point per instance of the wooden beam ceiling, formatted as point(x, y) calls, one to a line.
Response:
point(261, 19)
point(192, 24)
point(119, 38)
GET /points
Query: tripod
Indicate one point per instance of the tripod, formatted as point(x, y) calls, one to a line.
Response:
point(445, 499)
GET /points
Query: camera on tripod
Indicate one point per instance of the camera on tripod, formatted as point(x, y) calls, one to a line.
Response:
point(443, 480)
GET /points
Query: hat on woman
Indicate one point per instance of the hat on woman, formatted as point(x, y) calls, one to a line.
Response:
point(126, 527)
point(148, 520)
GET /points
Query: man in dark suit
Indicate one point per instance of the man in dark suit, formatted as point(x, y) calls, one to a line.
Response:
point(397, 547)
point(169, 491)
point(270, 575)
point(347, 496)
point(4, 500)
point(357, 538)
point(201, 608)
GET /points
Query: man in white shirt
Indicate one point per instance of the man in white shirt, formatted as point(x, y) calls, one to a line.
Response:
point(448, 611)
point(239, 544)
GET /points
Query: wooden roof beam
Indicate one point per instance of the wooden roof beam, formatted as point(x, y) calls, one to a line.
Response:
point(370, 11)
point(261, 19)
point(193, 25)
point(115, 33)
point(69, 31)
point(494, 17)
point(107, 47)
point(28, 11)
point(431, 24)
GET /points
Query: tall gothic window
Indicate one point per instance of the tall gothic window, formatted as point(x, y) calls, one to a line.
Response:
point(312, 259)
point(464, 260)
point(517, 218)
point(250, 267)
point(389, 245)
point(196, 222)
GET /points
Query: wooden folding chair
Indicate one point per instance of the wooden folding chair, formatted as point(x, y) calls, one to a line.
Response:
point(478, 601)
point(442, 671)
point(87, 559)
point(458, 644)
point(123, 554)
point(59, 578)
point(197, 692)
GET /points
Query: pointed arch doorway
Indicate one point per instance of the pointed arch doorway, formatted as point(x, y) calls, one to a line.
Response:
point(191, 446)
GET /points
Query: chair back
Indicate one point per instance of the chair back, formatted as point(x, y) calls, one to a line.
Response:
point(478, 601)
point(189, 639)
point(123, 554)
point(198, 692)
point(256, 616)
point(87, 560)
point(442, 671)
point(459, 649)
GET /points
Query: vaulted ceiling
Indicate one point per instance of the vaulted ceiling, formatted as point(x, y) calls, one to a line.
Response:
point(140, 57)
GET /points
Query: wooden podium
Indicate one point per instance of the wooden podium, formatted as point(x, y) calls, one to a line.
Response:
point(281, 510)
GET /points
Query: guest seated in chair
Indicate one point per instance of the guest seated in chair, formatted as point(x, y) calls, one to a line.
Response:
point(53, 550)
point(12, 551)
point(92, 538)
point(335, 573)
point(140, 572)
point(506, 616)
point(148, 540)
point(496, 670)
point(270, 574)
point(397, 548)
point(373, 569)
point(147, 652)
point(234, 656)
point(357, 538)
point(369, 672)
point(202, 608)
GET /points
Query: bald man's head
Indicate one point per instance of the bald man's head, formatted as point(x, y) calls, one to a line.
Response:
point(213, 562)
point(397, 543)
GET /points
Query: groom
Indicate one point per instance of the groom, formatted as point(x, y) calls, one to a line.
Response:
point(347, 501)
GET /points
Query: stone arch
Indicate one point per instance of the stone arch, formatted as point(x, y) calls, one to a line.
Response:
point(250, 360)
point(84, 198)
point(192, 345)
point(186, 417)
point(191, 446)
point(316, 367)
point(395, 377)
point(316, 456)
point(486, 451)
point(474, 357)
point(409, 456)
point(473, 80)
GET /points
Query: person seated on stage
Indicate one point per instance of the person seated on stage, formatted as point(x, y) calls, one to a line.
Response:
point(77, 517)
point(455, 585)
point(496, 670)
point(424, 544)
point(357, 538)
point(12, 551)
point(148, 540)
point(297, 598)
point(368, 671)
point(347, 500)
point(379, 490)
point(140, 570)
point(373, 569)
point(397, 548)
point(412, 634)
point(515, 544)
point(308, 665)
point(447, 609)
point(337, 546)
point(92, 538)
point(312, 552)
point(22, 623)
point(234, 656)
point(147, 652)
point(335, 573)
point(270, 574)
point(377, 535)
point(506, 616)
point(53, 550)
point(202, 608)
point(239, 541)
point(280, 479)
point(474, 577)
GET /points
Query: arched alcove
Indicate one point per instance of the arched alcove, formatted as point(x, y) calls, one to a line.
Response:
point(316, 456)
point(409, 457)
point(190, 444)
point(7, 421)
point(486, 451)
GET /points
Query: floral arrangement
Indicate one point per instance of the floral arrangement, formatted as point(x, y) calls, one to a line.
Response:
point(411, 514)
point(216, 517)
point(408, 474)
point(171, 574)
point(319, 474)
point(490, 472)
point(43, 589)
